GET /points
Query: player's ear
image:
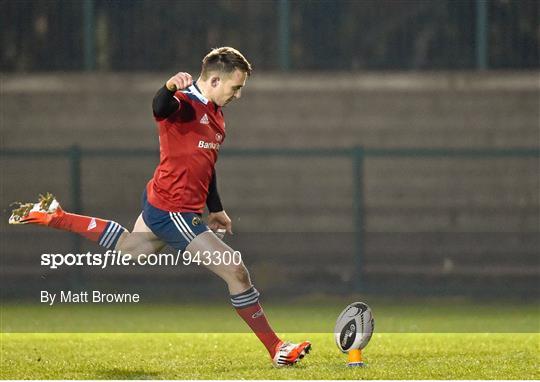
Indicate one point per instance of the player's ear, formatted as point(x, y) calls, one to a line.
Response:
point(214, 81)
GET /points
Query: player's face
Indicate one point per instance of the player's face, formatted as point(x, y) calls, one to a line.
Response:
point(230, 87)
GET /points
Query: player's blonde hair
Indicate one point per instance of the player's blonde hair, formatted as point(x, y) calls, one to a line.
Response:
point(226, 60)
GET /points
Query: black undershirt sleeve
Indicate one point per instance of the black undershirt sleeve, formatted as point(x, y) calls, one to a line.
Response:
point(213, 202)
point(164, 103)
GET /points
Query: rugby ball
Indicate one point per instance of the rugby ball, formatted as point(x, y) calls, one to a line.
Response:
point(354, 327)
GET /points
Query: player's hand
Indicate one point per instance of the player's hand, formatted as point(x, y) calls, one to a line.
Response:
point(220, 220)
point(179, 81)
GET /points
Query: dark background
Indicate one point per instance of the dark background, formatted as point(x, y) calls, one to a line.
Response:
point(385, 147)
point(158, 35)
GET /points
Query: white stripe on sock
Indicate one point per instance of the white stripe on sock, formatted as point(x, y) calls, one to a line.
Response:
point(109, 241)
point(246, 297)
point(105, 237)
point(250, 302)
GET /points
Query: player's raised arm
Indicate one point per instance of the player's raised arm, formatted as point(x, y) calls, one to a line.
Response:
point(164, 103)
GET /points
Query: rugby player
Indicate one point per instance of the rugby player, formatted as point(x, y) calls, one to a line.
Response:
point(191, 130)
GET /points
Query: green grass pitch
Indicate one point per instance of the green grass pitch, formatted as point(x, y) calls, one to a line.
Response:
point(414, 341)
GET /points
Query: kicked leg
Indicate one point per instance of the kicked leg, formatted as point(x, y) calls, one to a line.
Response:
point(48, 212)
point(109, 234)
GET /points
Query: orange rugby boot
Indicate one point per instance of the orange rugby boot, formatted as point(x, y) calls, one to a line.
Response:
point(288, 354)
point(40, 213)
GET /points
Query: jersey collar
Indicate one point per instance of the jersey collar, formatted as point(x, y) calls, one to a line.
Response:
point(194, 92)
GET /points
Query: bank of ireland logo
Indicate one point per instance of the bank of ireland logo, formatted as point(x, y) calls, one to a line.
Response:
point(219, 137)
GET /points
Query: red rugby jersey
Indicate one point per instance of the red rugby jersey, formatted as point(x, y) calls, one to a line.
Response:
point(189, 142)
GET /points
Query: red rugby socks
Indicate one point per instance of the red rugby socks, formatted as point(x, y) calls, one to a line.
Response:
point(248, 307)
point(105, 232)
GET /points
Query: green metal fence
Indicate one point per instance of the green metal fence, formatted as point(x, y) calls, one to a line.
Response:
point(356, 155)
point(40, 35)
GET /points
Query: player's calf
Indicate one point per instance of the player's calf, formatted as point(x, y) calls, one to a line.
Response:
point(236, 277)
